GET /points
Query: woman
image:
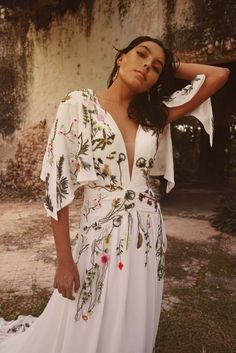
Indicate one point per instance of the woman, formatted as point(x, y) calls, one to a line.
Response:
point(108, 291)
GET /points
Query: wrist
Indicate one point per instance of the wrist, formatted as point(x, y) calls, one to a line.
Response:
point(65, 260)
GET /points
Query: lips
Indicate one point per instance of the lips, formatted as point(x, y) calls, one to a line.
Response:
point(142, 74)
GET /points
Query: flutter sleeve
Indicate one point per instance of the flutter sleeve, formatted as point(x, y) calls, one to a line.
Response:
point(164, 164)
point(68, 159)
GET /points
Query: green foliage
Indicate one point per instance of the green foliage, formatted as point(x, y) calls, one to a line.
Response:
point(186, 140)
point(224, 217)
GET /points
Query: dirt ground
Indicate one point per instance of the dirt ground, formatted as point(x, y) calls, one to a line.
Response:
point(200, 285)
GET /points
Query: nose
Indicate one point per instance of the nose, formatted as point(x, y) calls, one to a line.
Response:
point(146, 65)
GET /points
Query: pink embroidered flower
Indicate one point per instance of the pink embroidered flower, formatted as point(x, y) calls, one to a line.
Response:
point(97, 203)
point(120, 265)
point(85, 317)
point(104, 258)
point(78, 167)
point(100, 117)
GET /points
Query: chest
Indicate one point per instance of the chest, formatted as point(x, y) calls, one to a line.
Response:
point(116, 135)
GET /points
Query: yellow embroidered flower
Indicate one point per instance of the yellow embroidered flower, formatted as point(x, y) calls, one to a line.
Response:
point(106, 170)
point(66, 98)
point(107, 241)
point(116, 202)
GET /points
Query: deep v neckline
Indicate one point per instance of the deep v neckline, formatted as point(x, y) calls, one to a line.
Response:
point(130, 174)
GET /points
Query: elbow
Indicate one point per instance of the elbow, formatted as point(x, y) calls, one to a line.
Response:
point(223, 75)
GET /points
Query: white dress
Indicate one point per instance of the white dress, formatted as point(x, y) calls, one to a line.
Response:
point(120, 250)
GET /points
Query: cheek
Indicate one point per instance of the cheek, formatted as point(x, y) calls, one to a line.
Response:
point(153, 78)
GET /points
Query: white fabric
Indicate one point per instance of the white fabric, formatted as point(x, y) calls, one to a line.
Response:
point(67, 120)
point(164, 164)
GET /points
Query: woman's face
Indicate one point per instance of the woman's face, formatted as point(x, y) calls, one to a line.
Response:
point(141, 67)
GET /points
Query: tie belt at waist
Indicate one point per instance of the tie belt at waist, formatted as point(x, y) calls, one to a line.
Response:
point(119, 202)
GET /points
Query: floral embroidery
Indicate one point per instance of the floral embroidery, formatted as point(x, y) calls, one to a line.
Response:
point(103, 170)
point(144, 231)
point(149, 198)
point(160, 250)
point(62, 182)
point(120, 265)
point(91, 205)
point(104, 258)
point(145, 167)
point(91, 290)
point(77, 158)
point(50, 143)
point(47, 199)
point(87, 143)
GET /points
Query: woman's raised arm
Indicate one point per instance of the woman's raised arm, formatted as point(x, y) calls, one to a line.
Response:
point(216, 77)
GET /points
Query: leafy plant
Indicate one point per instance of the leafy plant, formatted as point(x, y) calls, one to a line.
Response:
point(224, 217)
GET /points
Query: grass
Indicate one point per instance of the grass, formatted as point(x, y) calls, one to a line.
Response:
point(13, 305)
point(205, 319)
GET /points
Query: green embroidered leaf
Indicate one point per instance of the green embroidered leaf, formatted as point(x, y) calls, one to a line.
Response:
point(111, 155)
point(140, 240)
point(62, 187)
point(62, 182)
point(60, 167)
point(48, 202)
point(187, 90)
point(85, 115)
point(83, 146)
point(47, 181)
point(85, 165)
point(100, 143)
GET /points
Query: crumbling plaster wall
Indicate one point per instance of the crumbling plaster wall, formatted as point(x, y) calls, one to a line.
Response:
point(67, 59)
point(51, 55)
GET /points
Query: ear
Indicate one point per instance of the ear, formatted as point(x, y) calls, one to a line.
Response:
point(120, 59)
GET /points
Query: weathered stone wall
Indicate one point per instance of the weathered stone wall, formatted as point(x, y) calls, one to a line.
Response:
point(51, 47)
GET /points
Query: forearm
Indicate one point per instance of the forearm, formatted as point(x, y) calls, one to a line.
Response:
point(187, 71)
point(61, 235)
point(216, 77)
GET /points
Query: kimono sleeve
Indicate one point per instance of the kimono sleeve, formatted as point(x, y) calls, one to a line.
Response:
point(68, 160)
point(164, 164)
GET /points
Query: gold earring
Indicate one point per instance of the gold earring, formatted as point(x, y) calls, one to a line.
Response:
point(116, 74)
point(149, 97)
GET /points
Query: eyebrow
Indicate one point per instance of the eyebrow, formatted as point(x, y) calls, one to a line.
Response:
point(158, 60)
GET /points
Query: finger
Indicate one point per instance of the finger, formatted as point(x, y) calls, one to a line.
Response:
point(77, 283)
point(69, 293)
point(63, 292)
point(61, 289)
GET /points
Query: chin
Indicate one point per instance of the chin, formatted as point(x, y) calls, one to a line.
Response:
point(136, 87)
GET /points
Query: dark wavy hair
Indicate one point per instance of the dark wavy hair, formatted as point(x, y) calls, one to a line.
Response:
point(150, 114)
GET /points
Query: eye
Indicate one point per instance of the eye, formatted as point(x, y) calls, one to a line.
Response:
point(156, 69)
point(140, 53)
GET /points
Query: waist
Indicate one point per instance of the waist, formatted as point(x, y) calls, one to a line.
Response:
point(97, 202)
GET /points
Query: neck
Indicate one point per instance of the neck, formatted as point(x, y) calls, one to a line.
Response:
point(119, 92)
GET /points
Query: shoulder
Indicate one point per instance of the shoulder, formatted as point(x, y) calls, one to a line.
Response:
point(73, 107)
point(77, 97)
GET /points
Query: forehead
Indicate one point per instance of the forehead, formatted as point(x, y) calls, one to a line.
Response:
point(154, 49)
